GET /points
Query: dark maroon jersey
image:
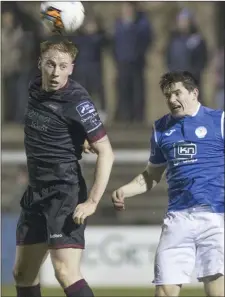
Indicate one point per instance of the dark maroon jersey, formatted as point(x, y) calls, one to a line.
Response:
point(56, 125)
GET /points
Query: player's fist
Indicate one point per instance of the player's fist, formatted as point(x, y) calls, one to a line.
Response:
point(87, 148)
point(82, 211)
point(118, 199)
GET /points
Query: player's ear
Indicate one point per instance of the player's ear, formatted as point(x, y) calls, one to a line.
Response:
point(196, 92)
point(39, 63)
point(71, 70)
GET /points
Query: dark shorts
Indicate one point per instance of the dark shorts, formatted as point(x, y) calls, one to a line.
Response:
point(46, 216)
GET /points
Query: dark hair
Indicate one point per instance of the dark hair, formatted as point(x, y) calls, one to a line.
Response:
point(185, 77)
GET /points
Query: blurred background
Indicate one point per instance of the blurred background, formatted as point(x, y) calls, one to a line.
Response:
point(124, 48)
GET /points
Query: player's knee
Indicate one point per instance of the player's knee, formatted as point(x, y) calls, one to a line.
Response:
point(67, 272)
point(64, 275)
point(61, 272)
point(18, 275)
point(167, 290)
point(23, 278)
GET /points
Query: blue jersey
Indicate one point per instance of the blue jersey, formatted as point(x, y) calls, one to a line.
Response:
point(193, 150)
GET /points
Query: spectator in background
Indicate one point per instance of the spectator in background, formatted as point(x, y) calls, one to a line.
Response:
point(132, 37)
point(20, 50)
point(186, 49)
point(26, 72)
point(219, 78)
point(12, 36)
point(32, 36)
point(91, 41)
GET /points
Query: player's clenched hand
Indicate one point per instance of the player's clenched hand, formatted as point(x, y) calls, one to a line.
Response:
point(118, 199)
point(82, 211)
point(87, 148)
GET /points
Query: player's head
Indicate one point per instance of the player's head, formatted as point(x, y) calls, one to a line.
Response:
point(128, 10)
point(181, 92)
point(185, 20)
point(8, 20)
point(56, 63)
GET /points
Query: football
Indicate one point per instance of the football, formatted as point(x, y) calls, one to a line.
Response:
point(62, 17)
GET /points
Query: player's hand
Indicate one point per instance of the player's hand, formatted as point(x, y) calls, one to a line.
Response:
point(87, 148)
point(82, 211)
point(118, 199)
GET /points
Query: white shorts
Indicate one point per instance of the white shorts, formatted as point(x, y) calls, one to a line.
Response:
point(189, 240)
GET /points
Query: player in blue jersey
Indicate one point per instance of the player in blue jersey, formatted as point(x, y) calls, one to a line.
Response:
point(188, 143)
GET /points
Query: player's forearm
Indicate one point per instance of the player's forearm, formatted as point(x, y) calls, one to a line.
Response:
point(102, 173)
point(139, 185)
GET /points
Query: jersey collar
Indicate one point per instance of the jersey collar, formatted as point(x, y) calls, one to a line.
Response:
point(197, 111)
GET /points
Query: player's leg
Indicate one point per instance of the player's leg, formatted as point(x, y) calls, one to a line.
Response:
point(66, 253)
point(31, 251)
point(26, 269)
point(210, 253)
point(66, 263)
point(167, 290)
point(175, 255)
point(66, 240)
point(214, 285)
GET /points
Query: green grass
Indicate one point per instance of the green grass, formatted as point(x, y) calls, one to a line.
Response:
point(109, 292)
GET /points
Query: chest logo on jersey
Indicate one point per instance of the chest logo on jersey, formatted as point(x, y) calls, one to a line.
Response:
point(37, 120)
point(85, 108)
point(201, 132)
point(184, 152)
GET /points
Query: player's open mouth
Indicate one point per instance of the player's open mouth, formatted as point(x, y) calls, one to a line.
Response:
point(176, 108)
point(54, 82)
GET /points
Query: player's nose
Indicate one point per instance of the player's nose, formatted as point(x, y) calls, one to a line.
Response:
point(55, 72)
point(172, 99)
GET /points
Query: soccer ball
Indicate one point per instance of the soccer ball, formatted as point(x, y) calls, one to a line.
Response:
point(62, 17)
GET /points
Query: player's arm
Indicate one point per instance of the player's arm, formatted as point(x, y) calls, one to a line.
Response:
point(145, 181)
point(103, 167)
point(87, 116)
point(142, 183)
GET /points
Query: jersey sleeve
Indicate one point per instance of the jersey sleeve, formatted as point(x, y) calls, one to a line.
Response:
point(156, 156)
point(85, 113)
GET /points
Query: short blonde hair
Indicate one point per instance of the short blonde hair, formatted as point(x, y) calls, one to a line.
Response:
point(64, 46)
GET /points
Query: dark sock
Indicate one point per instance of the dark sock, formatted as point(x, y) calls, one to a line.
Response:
point(79, 289)
point(34, 291)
